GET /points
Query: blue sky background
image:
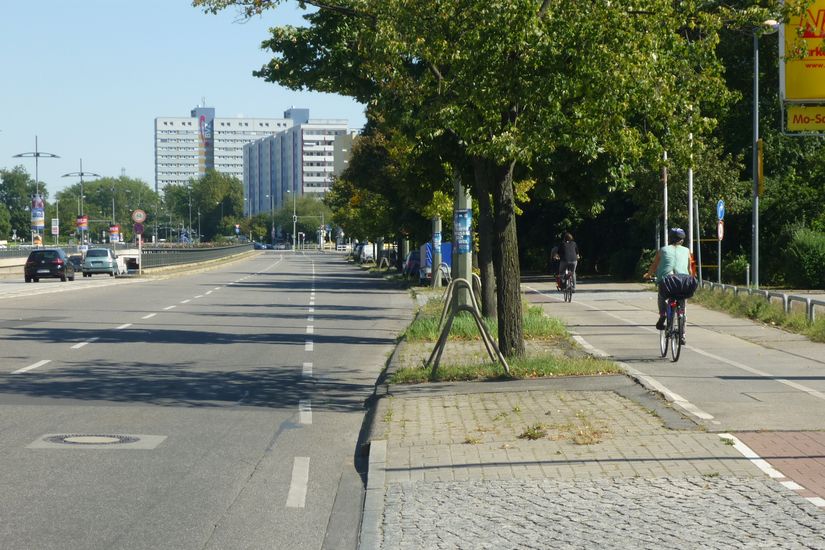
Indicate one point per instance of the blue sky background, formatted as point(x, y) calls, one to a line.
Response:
point(88, 77)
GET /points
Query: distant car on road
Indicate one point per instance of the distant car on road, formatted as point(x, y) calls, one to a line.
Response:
point(48, 263)
point(100, 260)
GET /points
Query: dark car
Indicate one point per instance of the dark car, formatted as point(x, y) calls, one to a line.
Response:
point(48, 263)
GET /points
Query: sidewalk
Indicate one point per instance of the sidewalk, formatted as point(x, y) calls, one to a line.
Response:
point(613, 466)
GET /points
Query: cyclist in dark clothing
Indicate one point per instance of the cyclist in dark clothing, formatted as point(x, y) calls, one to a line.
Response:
point(568, 256)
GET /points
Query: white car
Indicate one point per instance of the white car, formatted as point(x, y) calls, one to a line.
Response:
point(100, 260)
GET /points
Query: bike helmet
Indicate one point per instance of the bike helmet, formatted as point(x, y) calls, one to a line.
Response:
point(677, 234)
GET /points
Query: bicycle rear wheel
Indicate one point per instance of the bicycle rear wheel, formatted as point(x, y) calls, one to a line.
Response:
point(676, 339)
point(568, 291)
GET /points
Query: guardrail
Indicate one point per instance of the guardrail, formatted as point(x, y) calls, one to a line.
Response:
point(809, 305)
point(12, 260)
point(162, 257)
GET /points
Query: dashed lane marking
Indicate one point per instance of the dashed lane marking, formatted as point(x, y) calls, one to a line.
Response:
point(300, 480)
point(81, 344)
point(310, 329)
point(126, 325)
point(168, 308)
point(306, 371)
point(32, 367)
point(185, 301)
point(149, 316)
point(305, 412)
point(309, 346)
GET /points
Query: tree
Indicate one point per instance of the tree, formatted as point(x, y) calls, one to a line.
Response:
point(514, 80)
point(5, 222)
point(16, 189)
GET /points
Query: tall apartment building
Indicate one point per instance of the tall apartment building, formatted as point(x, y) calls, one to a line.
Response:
point(300, 159)
point(186, 147)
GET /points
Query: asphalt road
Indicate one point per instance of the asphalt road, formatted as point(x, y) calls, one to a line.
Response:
point(217, 409)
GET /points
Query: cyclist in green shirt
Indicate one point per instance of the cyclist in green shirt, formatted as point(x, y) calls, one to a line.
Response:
point(671, 259)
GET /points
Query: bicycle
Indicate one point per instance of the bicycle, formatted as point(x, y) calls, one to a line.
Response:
point(670, 336)
point(567, 285)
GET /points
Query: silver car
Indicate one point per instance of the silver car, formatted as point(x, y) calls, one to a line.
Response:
point(99, 260)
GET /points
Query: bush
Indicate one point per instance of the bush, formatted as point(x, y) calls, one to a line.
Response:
point(805, 259)
point(734, 269)
point(644, 261)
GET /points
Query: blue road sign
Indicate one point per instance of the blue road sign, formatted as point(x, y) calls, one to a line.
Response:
point(720, 210)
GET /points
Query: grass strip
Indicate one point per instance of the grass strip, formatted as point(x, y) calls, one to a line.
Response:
point(425, 326)
point(520, 368)
point(759, 309)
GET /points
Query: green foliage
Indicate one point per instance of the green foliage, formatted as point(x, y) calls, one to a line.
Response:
point(643, 263)
point(16, 188)
point(805, 259)
point(5, 222)
point(734, 269)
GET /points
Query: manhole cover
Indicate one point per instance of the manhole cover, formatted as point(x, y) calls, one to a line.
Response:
point(91, 439)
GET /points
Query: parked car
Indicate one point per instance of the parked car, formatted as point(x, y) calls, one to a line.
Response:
point(100, 260)
point(48, 263)
point(258, 246)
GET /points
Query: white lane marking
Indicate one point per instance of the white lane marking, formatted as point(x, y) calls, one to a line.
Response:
point(675, 398)
point(81, 344)
point(306, 372)
point(310, 329)
point(311, 303)
point(312, 310)
point(817, 501)
point(792, 485)
point(168, 308)
point(208, 292)
point(216, 288)
point(32, 367)
point(186, 301)
point(310, 319)
point(757, 461)
point(305, 412)
point(121, 327)
point(794, 385)
point(300, 480)
point(199, 296)
point(309, 346)
point(736, 364)
point(149, 316)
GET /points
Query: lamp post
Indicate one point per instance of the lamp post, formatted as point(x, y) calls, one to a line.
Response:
point(81, 174)
point(189, 188)
point(271, 218)
point(769, 26)
point(36, 154)
point(294, 220)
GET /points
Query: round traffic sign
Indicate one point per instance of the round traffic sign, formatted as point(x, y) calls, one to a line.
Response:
point(720, 210)
point(138, 216)
point(720, 230)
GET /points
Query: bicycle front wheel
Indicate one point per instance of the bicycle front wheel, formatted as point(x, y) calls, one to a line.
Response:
point(676, 339)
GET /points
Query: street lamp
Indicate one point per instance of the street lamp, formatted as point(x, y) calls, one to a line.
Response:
point(82, 196)
point(294, 220)
point(272, 218)
point(36, 154)
point(769, 26)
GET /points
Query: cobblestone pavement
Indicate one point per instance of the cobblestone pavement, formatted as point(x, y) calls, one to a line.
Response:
point(590, 462)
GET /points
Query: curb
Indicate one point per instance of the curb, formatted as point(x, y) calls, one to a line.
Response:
point(370, 538)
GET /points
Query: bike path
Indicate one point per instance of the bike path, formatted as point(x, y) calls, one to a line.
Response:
point(762, 384)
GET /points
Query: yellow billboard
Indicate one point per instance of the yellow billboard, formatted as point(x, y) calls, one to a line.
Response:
point(803, 77)
point(803, 118)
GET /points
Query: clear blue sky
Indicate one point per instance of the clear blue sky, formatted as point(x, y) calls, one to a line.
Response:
point(88, 77)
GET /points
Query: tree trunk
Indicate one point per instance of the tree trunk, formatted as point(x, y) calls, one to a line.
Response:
point(508, 273)
point(483, 185)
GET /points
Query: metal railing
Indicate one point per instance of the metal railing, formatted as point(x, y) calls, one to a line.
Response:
point(166, 256)
point(810, 305)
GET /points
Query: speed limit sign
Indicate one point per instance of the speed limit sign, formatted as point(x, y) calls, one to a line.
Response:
point(138, 216)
